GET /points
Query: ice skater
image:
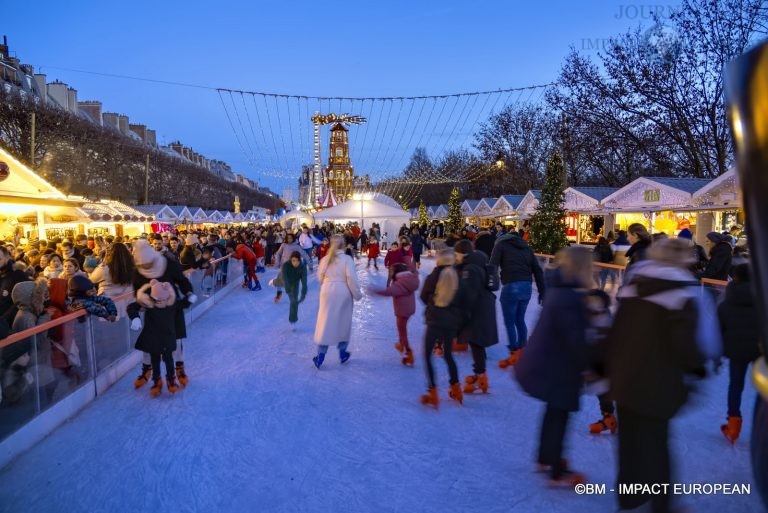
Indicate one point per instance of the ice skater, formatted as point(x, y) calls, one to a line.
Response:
point(294, 274)
point(158, 336)
point(338, 288)
point(402, 290)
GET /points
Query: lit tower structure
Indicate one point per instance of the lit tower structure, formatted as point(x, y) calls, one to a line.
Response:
point(339, 176)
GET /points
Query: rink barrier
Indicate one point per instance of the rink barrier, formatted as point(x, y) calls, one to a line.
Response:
point(105, 351)
point(706, 283)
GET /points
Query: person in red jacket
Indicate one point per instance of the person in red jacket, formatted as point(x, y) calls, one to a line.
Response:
point(393, 256)
point(258, 250)
point(373, 254)
point(322, 249)
point(244, 253)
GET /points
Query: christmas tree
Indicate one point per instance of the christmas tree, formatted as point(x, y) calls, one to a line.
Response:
point(455, 218)
point(548, 231)
point(423, 219)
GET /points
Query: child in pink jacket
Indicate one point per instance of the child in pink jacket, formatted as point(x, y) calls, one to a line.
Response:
point(402, 290)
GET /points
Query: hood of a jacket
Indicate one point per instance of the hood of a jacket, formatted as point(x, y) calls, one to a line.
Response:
point(655, 278)
point(513, 239)
point(409, 280)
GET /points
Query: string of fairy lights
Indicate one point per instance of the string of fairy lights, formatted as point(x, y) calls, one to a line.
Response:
point(275, 133)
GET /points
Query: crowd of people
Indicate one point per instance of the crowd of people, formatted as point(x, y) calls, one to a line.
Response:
point(639, 352)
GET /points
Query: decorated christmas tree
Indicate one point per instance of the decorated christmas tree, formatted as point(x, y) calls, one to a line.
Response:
point(423, 219)
point(548, 230)
point(455, 219)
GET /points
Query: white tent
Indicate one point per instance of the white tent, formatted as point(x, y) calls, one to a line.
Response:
point(295, 218)
point(366, 212)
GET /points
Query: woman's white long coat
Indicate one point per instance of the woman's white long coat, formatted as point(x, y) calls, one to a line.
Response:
point(338, 288)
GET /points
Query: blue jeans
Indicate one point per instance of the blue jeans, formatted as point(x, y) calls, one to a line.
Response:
point(341, 345)
point(308, 251)
point(514, 300)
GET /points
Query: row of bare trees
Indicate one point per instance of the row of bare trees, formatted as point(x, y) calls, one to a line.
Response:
point(649, 103)
point(85, 159)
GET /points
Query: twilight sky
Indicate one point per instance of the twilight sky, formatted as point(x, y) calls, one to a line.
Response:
point(364, 48)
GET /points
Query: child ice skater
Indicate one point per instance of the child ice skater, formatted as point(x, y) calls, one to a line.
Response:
point(402, 290)
point(294, 274)
point(373, 253)
point(158, 336)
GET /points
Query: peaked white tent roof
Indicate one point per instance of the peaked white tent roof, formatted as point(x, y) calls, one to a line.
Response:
point(362, 209)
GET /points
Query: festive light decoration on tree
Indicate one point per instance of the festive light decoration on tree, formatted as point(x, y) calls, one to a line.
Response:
point(455, 218)
point(423, 217)
point(548, 230)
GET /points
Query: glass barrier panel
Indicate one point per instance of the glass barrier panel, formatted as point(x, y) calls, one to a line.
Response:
point(112, 340)
point(19, 401)
point(63, 361)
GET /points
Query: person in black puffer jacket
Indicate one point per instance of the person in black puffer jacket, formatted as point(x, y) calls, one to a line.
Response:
point(479, 329)
point(517, 264)
point(443, 315)
point(739, 326)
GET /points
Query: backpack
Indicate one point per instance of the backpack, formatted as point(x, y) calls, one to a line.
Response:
point(492, 281)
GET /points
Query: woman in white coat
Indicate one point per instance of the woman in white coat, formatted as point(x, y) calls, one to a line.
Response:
point(338, 288)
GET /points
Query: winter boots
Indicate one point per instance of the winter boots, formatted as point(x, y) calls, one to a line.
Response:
point(146, 370)
point(474, 383)
point(438, 351)
point(732, 429)
point(344, 355)
point(172, 386)
point(318, 360)
point(430, 398)
point(181, 374)
point(512, 359)
point(607, 423)
point(278, 295)
point(157, 387)
point(455, 393)
point(406, 352)
point(254, 287)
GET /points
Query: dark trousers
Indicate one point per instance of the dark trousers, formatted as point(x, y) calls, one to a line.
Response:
point(167, 357)
point(445, 336)
point(478, 358)
point(737, 370)
point(606, 404)
point(643, 458)
point(293, 311)
point(552, 437)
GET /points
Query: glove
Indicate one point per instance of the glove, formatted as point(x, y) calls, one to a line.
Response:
point(192, 299)
point(136, 324)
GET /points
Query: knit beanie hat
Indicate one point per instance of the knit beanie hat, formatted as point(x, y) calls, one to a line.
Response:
point(143, 253)
point(714, 237)
point(78, 285)
point(685, 233)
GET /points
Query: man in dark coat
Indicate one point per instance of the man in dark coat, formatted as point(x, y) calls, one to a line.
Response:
point(9, 277)
point(720, 255)
point(479, 329)
point(417, 246)
point(152, 265)
point(652, 347)
point(517, 263)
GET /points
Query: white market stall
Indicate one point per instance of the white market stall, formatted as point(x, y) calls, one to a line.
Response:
point(366, 210)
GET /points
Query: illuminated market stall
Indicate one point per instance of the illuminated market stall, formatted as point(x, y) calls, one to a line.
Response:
point(505, 209)
point(719, 204)
point(661, 204)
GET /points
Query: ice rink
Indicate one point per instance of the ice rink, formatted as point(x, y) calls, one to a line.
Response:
point(260, 429)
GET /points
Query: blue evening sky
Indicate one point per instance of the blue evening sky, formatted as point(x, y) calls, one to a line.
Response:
point(384, 48)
